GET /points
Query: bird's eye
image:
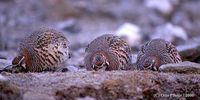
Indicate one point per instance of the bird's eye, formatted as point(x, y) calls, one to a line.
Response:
point(98, 58)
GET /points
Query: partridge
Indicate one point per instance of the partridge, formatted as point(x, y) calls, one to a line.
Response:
point(43, 50)
point(155, 53)
point(108, 52)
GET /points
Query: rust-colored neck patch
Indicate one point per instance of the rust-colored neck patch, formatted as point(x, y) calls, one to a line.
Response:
point(28, 58)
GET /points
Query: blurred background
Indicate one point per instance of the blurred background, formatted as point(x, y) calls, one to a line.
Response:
point(177, 21)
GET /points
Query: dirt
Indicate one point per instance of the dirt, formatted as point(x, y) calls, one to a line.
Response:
point(109, 85)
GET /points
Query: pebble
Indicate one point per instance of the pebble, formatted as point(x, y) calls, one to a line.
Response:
point(69, 25)
point(170, 32)
point(3, 79)
point(4, 63)
point(37, 96)
point(183, 67)
point(165, 7)
point(190, 51)
point(130, 32)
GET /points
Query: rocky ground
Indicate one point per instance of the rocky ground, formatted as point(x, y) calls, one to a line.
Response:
point(112, 85)
point(177, 21)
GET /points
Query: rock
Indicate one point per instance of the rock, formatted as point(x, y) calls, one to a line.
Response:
point(77, 58)
point(4, 63)
point(134, 58)
point(69, 25)
point(109, 85)
point(37, 96)
point(72, 68)
point(131, 33)
point(165, 7)
point(9, 91)
point(86, 98)
point(188, 16)
point(6, 0)
point(6, 58)
point(1, 42)
point(3, 79)
point(8, 54)
point(190, 51)
point(171, 33)
point(183, 67)
point(62, 9)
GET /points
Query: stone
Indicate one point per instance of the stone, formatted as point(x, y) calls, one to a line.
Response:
point(104, 85)
point(165, 7)
point(171, 33)
point(9, 91)
point(3, 79)
point(69, 25)
point(37, 96)
point(183, 67)
point(4, 63)
point(190, 51)
point(2, 44)
point(131, 33)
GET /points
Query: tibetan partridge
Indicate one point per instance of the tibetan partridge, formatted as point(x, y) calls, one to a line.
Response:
point(43, 50)
point(155, 53)
point(108, 52)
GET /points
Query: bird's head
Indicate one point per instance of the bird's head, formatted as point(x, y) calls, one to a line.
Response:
point(151, 63)
point(99, 61)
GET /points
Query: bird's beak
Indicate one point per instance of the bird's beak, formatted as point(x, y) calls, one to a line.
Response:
point(153, 65)
point(93, 66)
point(107, 63)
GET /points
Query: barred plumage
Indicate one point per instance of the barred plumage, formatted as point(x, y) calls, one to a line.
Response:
point(108, 52)
point(155, 53)
point(45, 49)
